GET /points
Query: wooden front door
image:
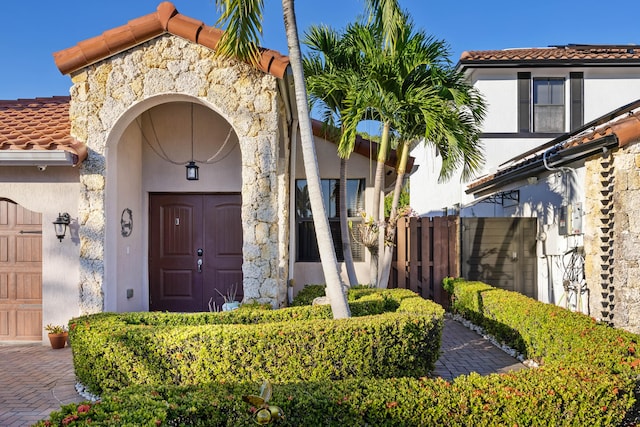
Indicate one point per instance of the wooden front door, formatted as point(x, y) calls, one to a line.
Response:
point(195, 250)
point(501, 252)
point(20, 273)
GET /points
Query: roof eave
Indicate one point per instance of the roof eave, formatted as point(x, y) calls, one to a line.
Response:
point(546, 63)
point(555, 160)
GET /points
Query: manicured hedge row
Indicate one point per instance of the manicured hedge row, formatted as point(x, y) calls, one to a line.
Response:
point(526, 398)
point(555, 337)
point(112, 351)
point(545, 332)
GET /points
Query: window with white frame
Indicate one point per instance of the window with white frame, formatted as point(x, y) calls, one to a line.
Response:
point(307, 244)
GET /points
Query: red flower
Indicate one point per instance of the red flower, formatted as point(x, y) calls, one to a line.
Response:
point(69, 419)
point(83, 408)
point(392, 404)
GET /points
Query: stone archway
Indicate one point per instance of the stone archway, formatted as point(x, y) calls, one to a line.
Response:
point(109, 95)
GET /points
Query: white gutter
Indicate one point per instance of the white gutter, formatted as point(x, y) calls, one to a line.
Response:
point(40, 158)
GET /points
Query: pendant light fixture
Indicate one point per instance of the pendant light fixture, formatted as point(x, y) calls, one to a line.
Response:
point(192, 168)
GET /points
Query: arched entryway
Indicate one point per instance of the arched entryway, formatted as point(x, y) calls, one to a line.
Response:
point(175, 243)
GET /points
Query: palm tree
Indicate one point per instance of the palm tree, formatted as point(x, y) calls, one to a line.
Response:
point(243, 19)
point(418, 95)
point(331, 72)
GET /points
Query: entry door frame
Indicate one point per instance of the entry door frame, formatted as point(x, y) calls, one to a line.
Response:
point(211, 265)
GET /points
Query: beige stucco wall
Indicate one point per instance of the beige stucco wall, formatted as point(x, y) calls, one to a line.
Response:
point(108, 98)
point(358, 167)
point(612, 237)
point(49, 192)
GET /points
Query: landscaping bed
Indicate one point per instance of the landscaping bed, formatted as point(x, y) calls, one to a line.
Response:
point(392, 334)
point(587, 377)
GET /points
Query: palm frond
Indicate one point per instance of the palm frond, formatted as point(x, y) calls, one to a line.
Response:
point(242, 21)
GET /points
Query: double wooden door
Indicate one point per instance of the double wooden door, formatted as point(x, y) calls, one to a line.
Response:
point(195, 250)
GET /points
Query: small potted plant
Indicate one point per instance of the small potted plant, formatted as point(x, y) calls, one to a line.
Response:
point(57, 335)
point(230, 302)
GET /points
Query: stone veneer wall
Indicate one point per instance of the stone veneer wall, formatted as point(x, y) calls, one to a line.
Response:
point(599, 236)
point(245, 96)
point(613, 251)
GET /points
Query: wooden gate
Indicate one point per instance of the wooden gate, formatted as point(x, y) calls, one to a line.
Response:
point(501, 252)
point(426, 252)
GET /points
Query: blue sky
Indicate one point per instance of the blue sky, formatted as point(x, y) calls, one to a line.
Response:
point(32, 30)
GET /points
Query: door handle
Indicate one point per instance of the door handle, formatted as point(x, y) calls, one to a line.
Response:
point(199, 265)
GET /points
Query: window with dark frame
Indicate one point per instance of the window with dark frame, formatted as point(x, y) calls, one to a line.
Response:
point(548, 104)
point(307, 244)
point(542, 103)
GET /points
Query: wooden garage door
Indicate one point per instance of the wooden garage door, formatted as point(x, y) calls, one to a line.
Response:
point(20, 273)
point(501, 252)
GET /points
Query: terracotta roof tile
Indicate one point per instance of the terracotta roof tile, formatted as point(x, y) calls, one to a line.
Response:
point(38, 124)
point(363, 146)
point(166, 19)
point(587, 53)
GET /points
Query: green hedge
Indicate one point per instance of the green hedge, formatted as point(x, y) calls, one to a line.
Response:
point(526, 398)
point(587, 379)
point(402, 338)
point(545, 332)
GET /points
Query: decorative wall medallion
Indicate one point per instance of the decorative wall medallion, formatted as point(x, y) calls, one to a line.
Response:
point(126, 222)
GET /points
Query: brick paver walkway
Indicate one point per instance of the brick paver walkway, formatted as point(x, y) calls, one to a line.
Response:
point(34, 380)
point(464, 351)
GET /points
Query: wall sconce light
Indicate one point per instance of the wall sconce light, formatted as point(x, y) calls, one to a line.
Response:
point(192, 171)
point(60, 225)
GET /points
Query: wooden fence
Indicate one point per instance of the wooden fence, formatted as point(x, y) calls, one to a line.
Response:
point(427, 250)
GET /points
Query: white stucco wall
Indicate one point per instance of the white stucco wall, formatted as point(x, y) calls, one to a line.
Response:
point(605, 89)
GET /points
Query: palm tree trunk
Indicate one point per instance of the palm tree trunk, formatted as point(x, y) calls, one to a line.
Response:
point(387, 257)
point(344, 226)
point(377, 209)
point(334, 290)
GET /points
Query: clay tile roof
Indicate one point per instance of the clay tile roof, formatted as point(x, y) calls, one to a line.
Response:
point(363, 146)
point(38, 124)
point(567, 53)
point(166, 19)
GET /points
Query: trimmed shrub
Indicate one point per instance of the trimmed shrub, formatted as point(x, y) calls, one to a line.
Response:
point(307, 294)
point(587, 378)
point(540, 397)
point(402, 338)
